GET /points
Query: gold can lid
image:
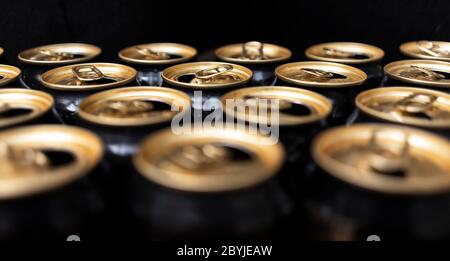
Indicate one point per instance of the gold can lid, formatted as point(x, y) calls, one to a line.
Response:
point(64, 53)
point(345, 52)
point(253, 52)
point(385, 158)
point(294, 106)
point(210, 160)
point(207, 75)
point(413, 106)
point(8, 74)
point(321, 74)
point(22, 105)
point(424, 49)
point(133, 106)
point(158, 53)
point(88, 76)
point(421, 72)
point(1, 51)
point(44, 157)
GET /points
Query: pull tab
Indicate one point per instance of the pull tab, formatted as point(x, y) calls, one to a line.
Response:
point(15, 160)
point(418, 71)
point(314, 74)
point(416, 103)
point(253, 50)
point(217, 74)
point(87, 73)
point(4, 106)
point(153, 55)
point(332, 52)
point(124, 108)
point(432, 49)
point(57, 56)
point(200, 157)
point(387, 161)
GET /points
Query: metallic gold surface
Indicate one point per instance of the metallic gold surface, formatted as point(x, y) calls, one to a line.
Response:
point(385, 158)
point(345, 52)
point(434, 50)
point(83, 77)
point(37, 102)
point(420, 72)
point(320, 74)
point(413, 106)
point(132, 106)
point(157, 53)
point(253, 53)
point(318, 106)
point(203, 161)
point(8, 74)
point(64, 53)
point(24, 167)
point(207, 75)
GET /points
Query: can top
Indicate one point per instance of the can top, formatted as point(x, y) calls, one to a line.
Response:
point(158, 53)
point(133, 106)
point(421, 72)
point(385, 158)
point(253, 52)
point(64, 53)
point(1, 51)
point(22, 105)
point(40, 158)
point(207, 75)
point(321, 74)
point(412, 106)
point(88, 76)
point(210, 160)
point(296, 106)
point(345, 52)
point(8, 74)
point(434, 50)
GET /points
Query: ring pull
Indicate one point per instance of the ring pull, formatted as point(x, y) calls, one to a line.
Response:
point(427, 73)
point(123, 108)
point(316, 74)
point(90, 73)
point(13, 160)
point(386, 161)
point(152, 55)
point(213, 72)
point(253, 50)
point(58, 56)
point(432, 49)
point(416, 103)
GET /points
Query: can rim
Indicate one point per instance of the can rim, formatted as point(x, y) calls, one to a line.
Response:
point(95, 51)
point(410, 49)
point(377, 52)
point(11, 71)
point(404, 120)
point(130, 75)
point(268, 162)
point(169, 73)
point(321, 102)
point(193, 52)
point(221, 53)
point(281, 70)
point(83, 143)
point(340, 136)
point(156, 93)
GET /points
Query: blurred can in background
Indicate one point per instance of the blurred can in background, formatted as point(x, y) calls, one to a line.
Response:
point(261, 58)
point(152, 58)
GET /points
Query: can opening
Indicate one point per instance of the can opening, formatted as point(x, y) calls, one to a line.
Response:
point(13, 112)
point(417, 72)
point(58, 158)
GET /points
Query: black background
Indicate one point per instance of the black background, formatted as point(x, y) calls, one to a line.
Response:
point(114, 24)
